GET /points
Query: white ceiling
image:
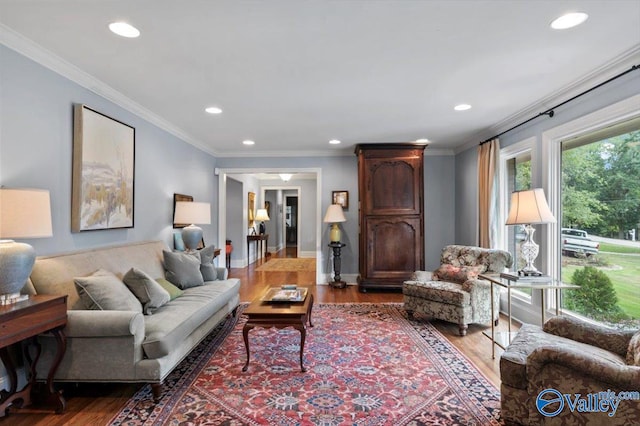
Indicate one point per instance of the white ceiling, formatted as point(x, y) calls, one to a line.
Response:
point(293, 74)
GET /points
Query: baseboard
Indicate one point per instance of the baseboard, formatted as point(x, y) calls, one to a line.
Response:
point(308, 254)
point(350, 279)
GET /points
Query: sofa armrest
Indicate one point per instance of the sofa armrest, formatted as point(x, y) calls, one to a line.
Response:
point(89, 323)
point(591, 334)
point(622, 376)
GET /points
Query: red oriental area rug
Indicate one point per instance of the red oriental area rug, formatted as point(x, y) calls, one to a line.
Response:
point(367, 365)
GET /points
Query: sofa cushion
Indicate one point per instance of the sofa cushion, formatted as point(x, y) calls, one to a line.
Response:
point(458, 274)
point(167, 328)
point(530, 337)
point(437, 291)
point(102, 290)
point(151, 294)
point(183, 269)
point(171, 289)
point(207, 269)
point(633, 353)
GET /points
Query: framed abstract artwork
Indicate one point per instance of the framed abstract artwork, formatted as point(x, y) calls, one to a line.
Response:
point(103, 172)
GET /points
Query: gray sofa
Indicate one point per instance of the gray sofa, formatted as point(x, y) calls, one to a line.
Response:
point(128, 346)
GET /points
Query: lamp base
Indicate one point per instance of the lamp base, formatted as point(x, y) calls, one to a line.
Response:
point(11, 298)
point(16, 263)
point(191, 235)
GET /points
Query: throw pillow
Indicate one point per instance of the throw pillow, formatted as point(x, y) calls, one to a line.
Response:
point(207, 269)
point(633, 353)
point(102, 290)
point(174, 292)
point(183, 269)
point(458, 274)
point(146, 289)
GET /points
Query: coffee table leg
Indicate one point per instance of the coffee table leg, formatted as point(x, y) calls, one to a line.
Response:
point(245, 334)
point(303, 336)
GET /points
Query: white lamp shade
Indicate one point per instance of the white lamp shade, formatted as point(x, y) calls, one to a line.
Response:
point(334, 214)
point(25, 213)
point(529, 207)
point(193, 213)
point(262, 215)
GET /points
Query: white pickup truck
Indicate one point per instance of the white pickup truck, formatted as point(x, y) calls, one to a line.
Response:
point(576, 242)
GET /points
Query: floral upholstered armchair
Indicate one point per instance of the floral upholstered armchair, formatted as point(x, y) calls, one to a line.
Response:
point(571, 357)
point(453, 292)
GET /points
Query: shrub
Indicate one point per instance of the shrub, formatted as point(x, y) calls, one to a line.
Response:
point(596, 297)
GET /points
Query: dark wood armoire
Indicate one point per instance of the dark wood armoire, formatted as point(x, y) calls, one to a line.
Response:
point(391, 213)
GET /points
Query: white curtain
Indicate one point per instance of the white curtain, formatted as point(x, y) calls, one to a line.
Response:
point(488, 193)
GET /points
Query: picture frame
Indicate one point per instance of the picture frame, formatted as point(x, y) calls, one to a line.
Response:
point(103, 175)
point(340, 197)
point(251, 209)
point(176, 198)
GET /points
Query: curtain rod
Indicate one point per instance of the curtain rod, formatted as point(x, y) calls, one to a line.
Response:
point(550, 111)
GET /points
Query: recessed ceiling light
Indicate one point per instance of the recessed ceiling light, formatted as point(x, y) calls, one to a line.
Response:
point(462, 107)
point(334, 142)
point(248, 142)
point(213, 110)
point(569, 20)
point(123, 29)
point(423, 140)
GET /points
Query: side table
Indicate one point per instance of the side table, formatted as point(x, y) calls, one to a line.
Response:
point(259, 238)
point(337, 265)
point(23, 321)
point(512, 281)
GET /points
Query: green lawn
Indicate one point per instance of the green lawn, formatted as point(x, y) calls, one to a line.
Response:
point(612, 248)
point(624, 272)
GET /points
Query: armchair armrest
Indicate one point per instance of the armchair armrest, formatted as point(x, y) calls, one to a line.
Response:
point(591, 334)
point(88, 323)
point(624, 377)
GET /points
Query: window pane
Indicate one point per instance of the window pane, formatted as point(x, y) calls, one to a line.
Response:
point(600, 221)
point(518, 178)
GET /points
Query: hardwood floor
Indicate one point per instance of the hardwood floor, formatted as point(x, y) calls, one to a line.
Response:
point(90, 404)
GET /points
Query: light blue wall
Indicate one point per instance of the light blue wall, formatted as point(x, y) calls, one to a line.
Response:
point(36, 139)
point(466, 161)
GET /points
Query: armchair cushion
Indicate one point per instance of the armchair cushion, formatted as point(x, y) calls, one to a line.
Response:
point(458, 274)
point(438, 291)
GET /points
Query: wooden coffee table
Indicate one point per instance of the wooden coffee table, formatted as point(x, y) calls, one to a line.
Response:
point(278, 315)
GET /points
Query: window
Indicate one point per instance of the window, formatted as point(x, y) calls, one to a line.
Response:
point(600, 205)
point(591, 174)
point(515, 176)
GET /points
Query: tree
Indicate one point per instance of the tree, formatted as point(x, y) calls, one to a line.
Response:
point(596, 297)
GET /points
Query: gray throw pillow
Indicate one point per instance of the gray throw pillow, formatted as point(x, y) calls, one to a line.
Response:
point(146, 289)
point(102, 290)
point(207, 269)
point(183, 269)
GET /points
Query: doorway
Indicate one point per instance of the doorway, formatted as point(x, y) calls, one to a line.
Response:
point(291, 224)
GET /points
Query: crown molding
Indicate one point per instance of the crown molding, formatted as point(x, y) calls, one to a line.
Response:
point(610, 69)
point(26, 47)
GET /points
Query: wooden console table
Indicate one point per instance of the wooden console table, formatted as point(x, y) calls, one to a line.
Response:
point(259, 238)
point(23, 321)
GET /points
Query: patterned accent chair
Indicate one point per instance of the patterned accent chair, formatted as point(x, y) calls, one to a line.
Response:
point(453, 292)
point(572, 357)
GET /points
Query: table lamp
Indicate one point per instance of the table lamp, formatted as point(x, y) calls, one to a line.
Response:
point(334, 216)
point(529, 208)
point(24, 213)
point(262, 216)
point(193, 213)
